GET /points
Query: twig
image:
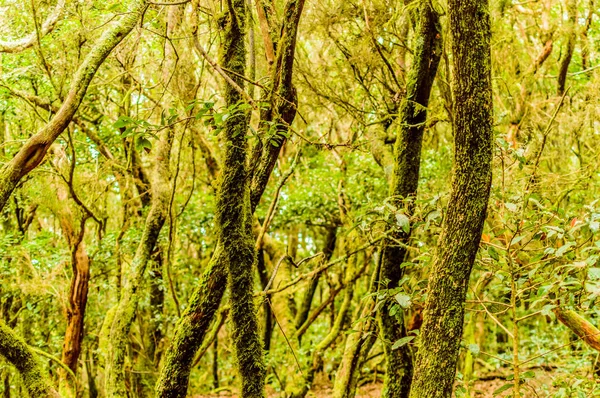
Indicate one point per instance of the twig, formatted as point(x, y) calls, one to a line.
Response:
point(200, 50)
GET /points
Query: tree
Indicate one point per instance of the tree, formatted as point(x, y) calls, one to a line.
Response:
point(403, 190)
point(441, 333)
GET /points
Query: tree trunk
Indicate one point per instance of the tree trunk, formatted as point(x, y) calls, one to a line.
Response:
point(441, 333)
point(404, 183)
point(114, 340)
point(571, 39)
point(195, 321)
point(233, 213)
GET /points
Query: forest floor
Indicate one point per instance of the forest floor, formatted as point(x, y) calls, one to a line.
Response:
point(481, 389)
point(540, 386)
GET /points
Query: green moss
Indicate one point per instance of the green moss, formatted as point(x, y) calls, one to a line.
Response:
point(404, 182)
point(233, 214)
point(443, 315)
point(16, 351)
point(191, 329)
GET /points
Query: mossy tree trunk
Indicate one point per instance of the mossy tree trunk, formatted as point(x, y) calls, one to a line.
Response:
point(118, 324)
point(404, 182)
point(233, 213)
point(441, 333)
point(194, 324)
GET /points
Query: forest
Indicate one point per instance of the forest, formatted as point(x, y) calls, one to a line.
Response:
point(299, 198)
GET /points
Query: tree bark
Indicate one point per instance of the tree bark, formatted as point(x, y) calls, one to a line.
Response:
point(114, 341)
point(580, 326)
point(441, 333)
point(233, 213)
point(404, 183)
point(206, 299)
point(78, 293)
point(571, 39)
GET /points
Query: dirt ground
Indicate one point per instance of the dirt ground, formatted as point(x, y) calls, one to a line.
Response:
point(535, 388)
point(482, 389)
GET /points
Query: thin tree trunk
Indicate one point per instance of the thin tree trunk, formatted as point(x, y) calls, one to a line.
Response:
point(114, 341)
point(233, 214)
point(571, 39)
point(206, 299)
point(357, 345)
point(404, 183)
point(304, 310)
point(441, 333)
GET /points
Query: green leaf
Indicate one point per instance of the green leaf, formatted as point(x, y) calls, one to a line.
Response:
point(402, 342)
point(122, 121)
point(493, 253)
point(563, 249)
point(547, 310)
point(474, 349)
point(142, 143)
point(503, 388)
point(530, 374)
point(404, 300)
point(594, 273)
point(403, 222)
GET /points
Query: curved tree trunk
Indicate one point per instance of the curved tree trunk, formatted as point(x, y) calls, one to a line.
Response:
point(116, 335)
point(195, 321)
point(441, 333)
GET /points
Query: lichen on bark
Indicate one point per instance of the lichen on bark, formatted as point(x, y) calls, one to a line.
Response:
point(233, 212)
point(403, 187)
point(18, 353)
point(441, 332)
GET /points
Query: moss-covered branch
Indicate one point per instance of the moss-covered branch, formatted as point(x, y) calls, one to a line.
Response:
point(117, 335)
point(16, 351)
point(580, 326)
point(34, 150)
